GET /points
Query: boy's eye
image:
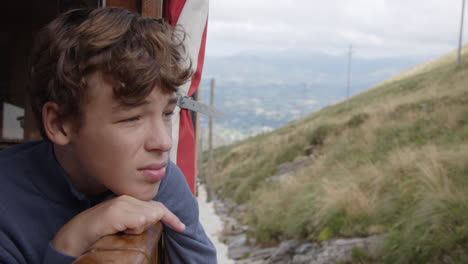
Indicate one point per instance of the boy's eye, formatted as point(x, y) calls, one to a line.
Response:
point(169, 114)
point(129, 120)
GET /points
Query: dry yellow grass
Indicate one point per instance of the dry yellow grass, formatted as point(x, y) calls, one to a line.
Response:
point(435, 63)
point(392, 159)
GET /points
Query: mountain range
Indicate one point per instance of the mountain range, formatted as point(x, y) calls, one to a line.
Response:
point(260, 92)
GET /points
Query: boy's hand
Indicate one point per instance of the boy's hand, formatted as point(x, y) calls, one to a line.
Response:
point(121, 214)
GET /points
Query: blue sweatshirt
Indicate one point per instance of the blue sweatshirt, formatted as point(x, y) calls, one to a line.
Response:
point(37, 199)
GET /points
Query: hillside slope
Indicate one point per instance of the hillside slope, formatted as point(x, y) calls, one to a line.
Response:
point(392, 160)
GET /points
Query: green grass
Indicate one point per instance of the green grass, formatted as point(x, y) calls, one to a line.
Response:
point(390, 160)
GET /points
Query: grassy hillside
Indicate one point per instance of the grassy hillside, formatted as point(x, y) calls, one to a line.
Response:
point(392, 160)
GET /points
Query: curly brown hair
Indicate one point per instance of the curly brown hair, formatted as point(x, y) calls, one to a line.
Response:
point(138, 53)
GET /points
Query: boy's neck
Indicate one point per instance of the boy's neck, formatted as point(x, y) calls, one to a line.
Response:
point(81, 181)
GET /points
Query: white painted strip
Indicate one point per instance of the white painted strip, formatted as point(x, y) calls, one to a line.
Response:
point(193, 20)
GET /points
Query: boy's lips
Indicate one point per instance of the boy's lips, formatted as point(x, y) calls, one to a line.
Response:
point(154, 172)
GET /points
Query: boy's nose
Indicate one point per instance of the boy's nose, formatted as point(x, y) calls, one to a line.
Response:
point(159, 138)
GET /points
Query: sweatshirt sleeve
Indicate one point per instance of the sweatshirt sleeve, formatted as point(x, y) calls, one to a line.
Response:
point(6, 258)
point(54, 256)
point(9, 254)
point(192, 245)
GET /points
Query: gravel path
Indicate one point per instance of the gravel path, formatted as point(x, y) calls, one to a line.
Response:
point(213, 225)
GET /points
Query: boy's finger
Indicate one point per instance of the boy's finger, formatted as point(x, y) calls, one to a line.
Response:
point(171, 219)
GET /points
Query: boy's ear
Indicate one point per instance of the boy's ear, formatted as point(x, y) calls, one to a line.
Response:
point(57, 130)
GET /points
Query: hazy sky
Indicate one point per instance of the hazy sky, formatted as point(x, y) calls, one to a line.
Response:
point(375, 28)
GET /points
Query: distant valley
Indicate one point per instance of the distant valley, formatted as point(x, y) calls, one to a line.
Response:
point(259, 93)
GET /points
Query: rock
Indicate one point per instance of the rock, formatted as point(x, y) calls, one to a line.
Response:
point(249, 261)
point(303, 248)
point(303, 259)
point(284, 251)
point(237, 253)
point(252, 240)
point(241, 208)
point(289, 169)
point(231, 227)
point(236, 241)
point(280, 178)
point(281, 260)
point(287, 247)
point(292, 166)
point(290, 251)
point(309, 150)
point(338, 250)
point(262, 253)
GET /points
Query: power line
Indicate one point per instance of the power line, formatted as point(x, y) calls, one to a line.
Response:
point(350, 53)
point(461, 34)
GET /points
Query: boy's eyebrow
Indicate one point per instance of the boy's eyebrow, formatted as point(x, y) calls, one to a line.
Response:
point(172, 100)
point(125, 106)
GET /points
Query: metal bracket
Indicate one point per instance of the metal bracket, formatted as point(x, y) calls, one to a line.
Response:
point(187, 102)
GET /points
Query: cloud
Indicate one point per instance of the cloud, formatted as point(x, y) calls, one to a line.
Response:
point(377, 28)
point(308, 102)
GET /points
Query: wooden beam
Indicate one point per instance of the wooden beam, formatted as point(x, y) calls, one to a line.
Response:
point(152, 8)
point(147, 8)
point(132, 5)
point(123, 249)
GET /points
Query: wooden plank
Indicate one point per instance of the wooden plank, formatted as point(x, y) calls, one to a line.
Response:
point(147, 8)
point(152, 8)
point(132, 5)
point(126, 249)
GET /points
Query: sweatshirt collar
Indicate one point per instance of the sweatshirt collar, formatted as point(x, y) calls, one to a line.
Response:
point(54, 183)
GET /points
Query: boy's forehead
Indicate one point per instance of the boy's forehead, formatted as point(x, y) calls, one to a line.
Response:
point(147, 102)
point(104, 86)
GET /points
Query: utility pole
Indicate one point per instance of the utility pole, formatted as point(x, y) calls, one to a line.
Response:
point(198, 144)
point(200, 174)
point(461, 34)
point(305, 90)
point(349, 70)
point(210, 182)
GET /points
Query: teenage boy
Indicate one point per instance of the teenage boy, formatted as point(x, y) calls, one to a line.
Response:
point(103, 90)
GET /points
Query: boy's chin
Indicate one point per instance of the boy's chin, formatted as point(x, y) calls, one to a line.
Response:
point(146, 195)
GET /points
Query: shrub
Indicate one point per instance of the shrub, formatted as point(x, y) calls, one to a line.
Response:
point(318, 135)
point(357, 119)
